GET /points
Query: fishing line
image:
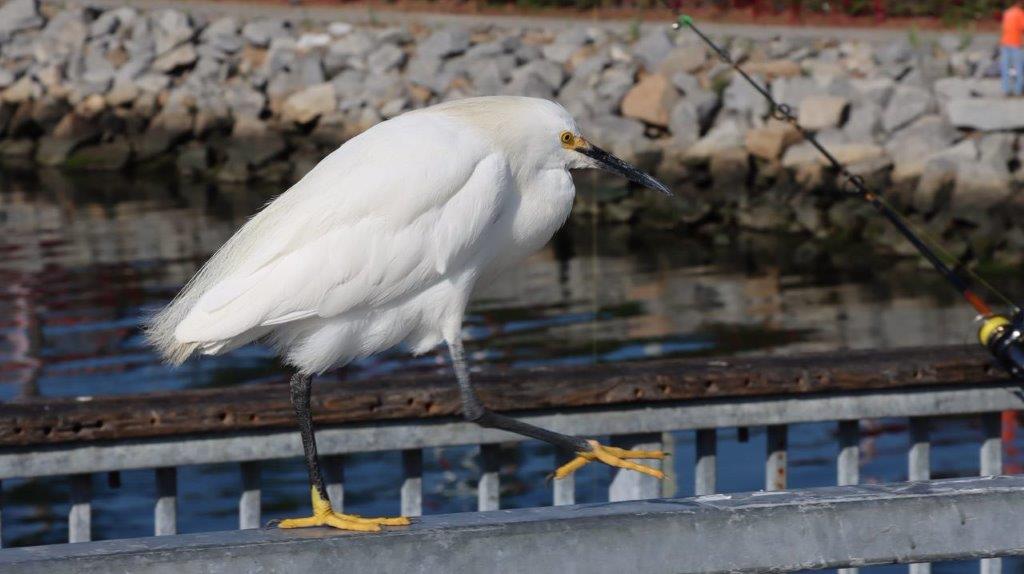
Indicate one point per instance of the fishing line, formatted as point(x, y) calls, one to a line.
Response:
point(1002, 336)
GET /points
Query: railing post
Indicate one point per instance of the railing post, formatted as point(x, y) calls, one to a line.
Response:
point(848, 463)
point(489, 487)
point(412, 485)
point(249, 502)
point(564, 488)
point(919, 467)
point(334, 468)
point(992, 465)
point(80, 516)
point(705, 471)
point(775, 464)
point(165, 511)
point(631, 485)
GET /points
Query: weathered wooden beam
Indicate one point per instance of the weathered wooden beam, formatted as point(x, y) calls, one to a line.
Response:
point(266, 406)
point(758, 532)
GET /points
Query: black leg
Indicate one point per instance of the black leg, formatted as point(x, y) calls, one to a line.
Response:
point(473, 410)
point(301, 391)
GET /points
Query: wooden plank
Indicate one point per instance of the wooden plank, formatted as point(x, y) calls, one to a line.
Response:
point(80, 515)
point(165, 511)
point(249, 501)
point(267, 406)
point(412, 484)
point(705, 470)
point(775, 458)
point(489, 488)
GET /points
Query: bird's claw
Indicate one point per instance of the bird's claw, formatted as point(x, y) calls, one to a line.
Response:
point(612, 456)
point(323, 515)
point(344, 522)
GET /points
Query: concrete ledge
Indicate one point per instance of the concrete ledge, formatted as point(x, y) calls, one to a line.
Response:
point(756, 532)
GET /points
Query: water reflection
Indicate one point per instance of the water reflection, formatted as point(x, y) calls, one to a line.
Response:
point(84, 258)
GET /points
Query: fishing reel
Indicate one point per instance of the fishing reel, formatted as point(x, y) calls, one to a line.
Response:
point(1004, 338)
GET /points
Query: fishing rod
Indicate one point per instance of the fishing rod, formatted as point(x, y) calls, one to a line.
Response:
point(1002, 335)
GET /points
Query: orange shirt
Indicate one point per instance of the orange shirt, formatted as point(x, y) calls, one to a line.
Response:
point(1013, 26)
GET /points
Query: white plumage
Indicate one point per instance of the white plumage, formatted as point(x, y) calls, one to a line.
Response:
point(385, 239)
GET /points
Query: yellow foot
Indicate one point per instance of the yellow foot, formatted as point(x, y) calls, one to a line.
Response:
point(324, 516)
point(612, 456)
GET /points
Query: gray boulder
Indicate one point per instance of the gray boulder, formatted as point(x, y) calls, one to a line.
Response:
point(906, 105)
point(864, 122)
point(181, 57)
point(911, 147)
point(17, 16)
point(558, 53)
point(986, 114)
point(652, 48)
point(445, 42)
point(980, 186)
point(684, 124)
point(741, 98)
point(171, 29)
point(260, 33)
point(384, 59)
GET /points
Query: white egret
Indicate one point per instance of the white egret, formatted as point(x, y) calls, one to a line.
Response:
point(382, 243)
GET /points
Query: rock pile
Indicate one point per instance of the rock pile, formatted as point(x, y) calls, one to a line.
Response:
point(230, 100)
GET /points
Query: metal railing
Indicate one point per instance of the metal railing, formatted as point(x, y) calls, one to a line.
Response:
point(845, 388)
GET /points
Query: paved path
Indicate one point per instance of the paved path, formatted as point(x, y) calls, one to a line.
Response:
point(362, 15)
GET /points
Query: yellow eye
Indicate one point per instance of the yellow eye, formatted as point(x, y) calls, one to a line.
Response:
point(567, 138)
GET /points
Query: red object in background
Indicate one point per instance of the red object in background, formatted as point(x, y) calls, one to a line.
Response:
point(1009, 435)
point(795, 8)
point(880, 10)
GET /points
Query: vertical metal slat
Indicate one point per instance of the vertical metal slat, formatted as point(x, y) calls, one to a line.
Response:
point(80, 516)
point(165, 511)
point(632, 485)
point(775, 460)
point(249, 502)
point(991, 465)
point(705, 469)
point(919, 467)
point(564, 488)
point(489, 486)
point(412, 485)
point(334, 468)
point(848, 463)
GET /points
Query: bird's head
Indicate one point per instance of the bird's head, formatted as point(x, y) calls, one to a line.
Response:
point(563, 138)
point(541, 134)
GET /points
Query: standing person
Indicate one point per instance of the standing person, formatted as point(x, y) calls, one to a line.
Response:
point(1010, 55)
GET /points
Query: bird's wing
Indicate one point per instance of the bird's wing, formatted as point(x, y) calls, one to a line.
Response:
point(380, 219)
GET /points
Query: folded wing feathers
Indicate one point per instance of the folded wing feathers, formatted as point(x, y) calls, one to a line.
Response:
point(324, 248)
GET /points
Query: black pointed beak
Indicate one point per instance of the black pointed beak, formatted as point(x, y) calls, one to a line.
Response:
point(613, 164)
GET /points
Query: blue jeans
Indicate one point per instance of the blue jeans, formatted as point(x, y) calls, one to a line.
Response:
point(1010, 57)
